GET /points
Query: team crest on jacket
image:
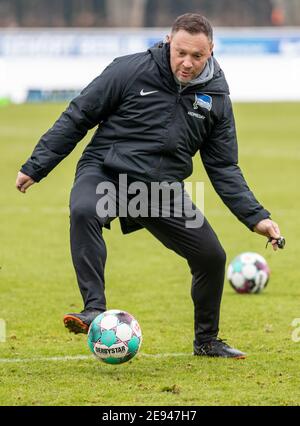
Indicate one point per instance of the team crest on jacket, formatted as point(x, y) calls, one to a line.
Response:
point(202, 100)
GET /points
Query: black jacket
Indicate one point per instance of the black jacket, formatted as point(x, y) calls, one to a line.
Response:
point(152, 136)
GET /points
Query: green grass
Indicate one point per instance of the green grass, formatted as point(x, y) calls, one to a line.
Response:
point(38, 284)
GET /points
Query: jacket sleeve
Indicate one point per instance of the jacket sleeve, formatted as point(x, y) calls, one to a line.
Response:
point(219, 155)
point(84, 112)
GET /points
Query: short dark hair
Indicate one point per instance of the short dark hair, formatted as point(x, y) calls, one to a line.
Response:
point(193, 23)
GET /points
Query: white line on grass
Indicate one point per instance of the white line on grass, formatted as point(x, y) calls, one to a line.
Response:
point(81, 357)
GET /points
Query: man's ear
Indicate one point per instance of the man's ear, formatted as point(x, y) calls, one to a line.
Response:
point(168, 38)
point(212, 47)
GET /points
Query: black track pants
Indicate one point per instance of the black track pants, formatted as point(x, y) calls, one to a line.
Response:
point(199, 246)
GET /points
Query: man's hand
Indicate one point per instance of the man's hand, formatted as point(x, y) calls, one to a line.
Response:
point(269, 229)
point(23, 182)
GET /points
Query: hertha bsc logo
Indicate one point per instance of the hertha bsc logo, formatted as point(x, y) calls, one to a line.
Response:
point(204, 101)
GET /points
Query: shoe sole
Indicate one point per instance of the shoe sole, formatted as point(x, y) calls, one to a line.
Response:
point(226, 357)
point(75, 325)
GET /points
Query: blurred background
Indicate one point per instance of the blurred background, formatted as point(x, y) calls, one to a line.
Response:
point(51, 50)
point(145, 13)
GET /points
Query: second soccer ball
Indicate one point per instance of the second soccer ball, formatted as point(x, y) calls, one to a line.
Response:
point(248, 273)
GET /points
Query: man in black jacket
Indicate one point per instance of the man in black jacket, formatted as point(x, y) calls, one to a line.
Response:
point(153, 111)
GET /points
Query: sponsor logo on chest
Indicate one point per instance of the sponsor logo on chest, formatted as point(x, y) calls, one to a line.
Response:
point(196, 115)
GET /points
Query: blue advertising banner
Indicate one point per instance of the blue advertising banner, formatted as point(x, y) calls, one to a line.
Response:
point(115, 43)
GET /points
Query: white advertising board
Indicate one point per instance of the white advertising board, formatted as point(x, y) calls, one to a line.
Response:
point(260, 64)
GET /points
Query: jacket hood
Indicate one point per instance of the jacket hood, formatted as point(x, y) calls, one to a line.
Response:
point(216, 84)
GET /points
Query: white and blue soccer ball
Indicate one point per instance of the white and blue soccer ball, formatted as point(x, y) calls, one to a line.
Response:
point(248, 273)
point(114, 337)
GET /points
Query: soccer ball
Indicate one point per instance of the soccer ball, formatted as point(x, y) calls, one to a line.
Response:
point(248, 273)
point(114, 336)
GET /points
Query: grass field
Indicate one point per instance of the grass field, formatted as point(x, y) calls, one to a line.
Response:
point(42, 364)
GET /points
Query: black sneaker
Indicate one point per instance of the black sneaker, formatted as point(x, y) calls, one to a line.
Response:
point(79, 323)
point(218, 348)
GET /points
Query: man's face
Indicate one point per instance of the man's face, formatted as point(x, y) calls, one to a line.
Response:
point(188, 54)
